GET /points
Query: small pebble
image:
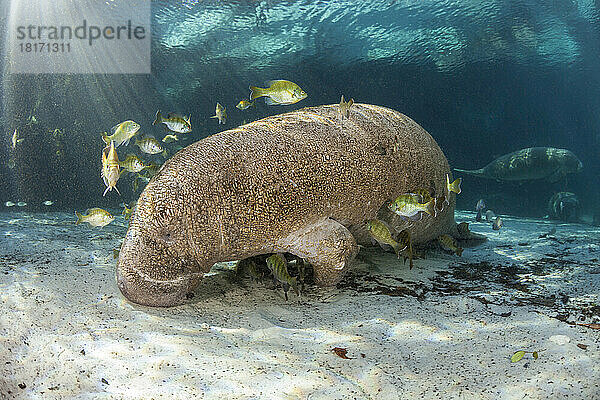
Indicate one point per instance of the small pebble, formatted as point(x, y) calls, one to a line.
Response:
point(560, 339)
point(22, 385)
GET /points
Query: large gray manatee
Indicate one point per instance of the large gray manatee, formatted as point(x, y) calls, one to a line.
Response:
point(299, 182)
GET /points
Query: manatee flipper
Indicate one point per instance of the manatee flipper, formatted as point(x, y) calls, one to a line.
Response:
point(327, 245)
point(475, 172)
point(556, 176)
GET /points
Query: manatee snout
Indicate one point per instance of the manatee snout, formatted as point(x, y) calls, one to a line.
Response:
point(148, 273)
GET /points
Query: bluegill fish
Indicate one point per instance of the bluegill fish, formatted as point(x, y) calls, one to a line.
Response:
point(278, 266)
point(94, 217)
point(15, 139)
point(121, 133)
point(128, 210)
point(408, 206)
point(279, 92)
point(345, 107)
point(132, 163)
point(497, 224)
point(220, 113)
point(382, 233)
point(110, 168)
point(244, 104)
point(452, 187)
point(149, 145)
point(463, 229)
point(174, 122)
point(480, 205)
point(449, 243)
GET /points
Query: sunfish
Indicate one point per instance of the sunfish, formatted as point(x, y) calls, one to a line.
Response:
point(528, 164)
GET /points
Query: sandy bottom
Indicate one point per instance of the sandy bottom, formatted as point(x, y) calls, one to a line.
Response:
point(444, 330)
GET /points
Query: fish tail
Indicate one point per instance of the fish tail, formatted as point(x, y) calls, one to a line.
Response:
point(157, 118)
point(105, 137)
point(430, 208)
point(256, 92)
point(456, 185)
point(79, 218)
point(459, 251)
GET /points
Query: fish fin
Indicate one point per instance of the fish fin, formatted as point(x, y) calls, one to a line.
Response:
point(157, 118)
point(456, 185)
point(215, 116)
point(117, 191)
point(165, 154)
point(79, 218)
point(294, 285)
point(271, 83)
point(430, 208)
point(256, 92)
point(459, 251)
point(350, 103)
point(105, 191)
point(269, 101)
point(417, 217)
point(105, 137)
point(342, 100)
point(114, 129)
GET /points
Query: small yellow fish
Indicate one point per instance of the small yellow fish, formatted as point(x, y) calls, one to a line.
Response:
point(278, 266)
point(409, 207)
point(132, 163)
point(279, 92)
point(174, 122)
point(382, 233)
point(449, 243)
point(94, 217)
point(220, 113)
point(121, 133)
point(170, 138)
point(452, 187)
point(110, 168)
point(345, 107)
point(15, 139)
point(244, 104)
point(149, 145)
point(127, 211)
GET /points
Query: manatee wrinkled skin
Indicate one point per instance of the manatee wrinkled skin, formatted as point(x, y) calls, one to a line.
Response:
point(528, 164)
point(299, 182)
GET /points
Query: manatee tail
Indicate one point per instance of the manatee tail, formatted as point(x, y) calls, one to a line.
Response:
point(475, 172)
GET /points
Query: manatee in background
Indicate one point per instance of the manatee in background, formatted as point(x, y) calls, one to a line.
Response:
point(299, 183)
point(531, 163)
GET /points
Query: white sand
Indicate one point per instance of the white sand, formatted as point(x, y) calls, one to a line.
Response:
point(64, 326)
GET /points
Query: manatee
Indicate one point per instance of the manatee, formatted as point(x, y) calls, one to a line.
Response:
point(299, 183)
point(528, 164)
